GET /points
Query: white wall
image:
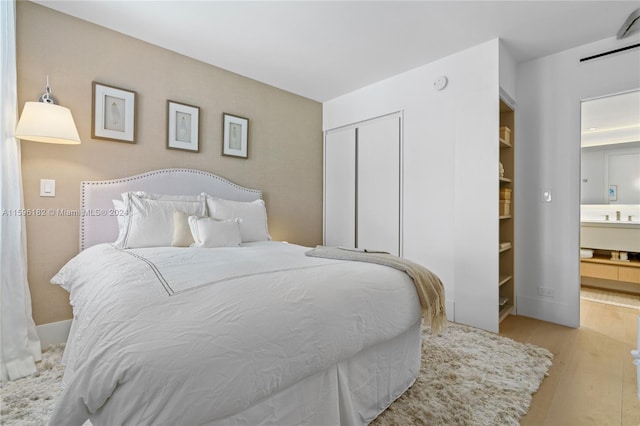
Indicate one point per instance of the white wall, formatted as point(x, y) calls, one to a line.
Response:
point(550, 90)
point(508, 74)
point(450, 171)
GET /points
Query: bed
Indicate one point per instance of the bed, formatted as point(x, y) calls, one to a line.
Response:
point(230, 329)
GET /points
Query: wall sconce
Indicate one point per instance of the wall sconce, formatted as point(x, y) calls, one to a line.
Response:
point(44, 121)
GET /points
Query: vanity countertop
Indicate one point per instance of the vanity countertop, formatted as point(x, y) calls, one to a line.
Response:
point(613, 223)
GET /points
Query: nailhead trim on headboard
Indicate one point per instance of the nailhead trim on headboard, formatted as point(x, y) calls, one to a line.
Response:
point(86, 184)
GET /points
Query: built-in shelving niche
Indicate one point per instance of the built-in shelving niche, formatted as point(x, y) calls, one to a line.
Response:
point(506, 304)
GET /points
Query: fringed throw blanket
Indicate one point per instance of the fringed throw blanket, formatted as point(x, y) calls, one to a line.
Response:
point(428, 285)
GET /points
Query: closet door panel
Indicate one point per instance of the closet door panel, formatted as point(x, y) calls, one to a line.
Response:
point(378, 185)
point(340, 184)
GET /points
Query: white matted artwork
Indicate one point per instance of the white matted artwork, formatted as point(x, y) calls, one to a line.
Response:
point(235, 137)
point(183, 123)
point(113, 113)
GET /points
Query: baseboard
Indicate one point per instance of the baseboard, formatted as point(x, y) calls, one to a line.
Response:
point(53, 333)
point(450, 307)
point(558, 312)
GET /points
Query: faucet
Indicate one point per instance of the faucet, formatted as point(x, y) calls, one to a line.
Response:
point(618, 215)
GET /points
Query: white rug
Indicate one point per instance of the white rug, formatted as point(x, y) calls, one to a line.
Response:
point(610, 297)
point(28, 401)
point(468, 377)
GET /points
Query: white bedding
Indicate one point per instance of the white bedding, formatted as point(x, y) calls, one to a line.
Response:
point(187, 336)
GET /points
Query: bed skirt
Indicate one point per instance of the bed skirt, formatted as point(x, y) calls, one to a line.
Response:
point(352, 392)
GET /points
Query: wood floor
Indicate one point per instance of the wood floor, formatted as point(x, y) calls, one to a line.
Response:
point(593, 378)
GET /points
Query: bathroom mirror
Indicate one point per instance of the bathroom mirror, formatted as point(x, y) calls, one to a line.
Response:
point(610, 141)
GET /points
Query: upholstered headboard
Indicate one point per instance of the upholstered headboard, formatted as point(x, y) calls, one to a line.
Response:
point(98, 224)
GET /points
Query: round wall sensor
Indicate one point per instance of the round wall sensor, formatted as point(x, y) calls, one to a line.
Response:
point(440, 83)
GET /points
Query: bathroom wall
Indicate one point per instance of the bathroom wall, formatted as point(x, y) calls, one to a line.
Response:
point(605, 165)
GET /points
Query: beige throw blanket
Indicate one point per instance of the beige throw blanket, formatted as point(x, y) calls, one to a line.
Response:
point(428, 285)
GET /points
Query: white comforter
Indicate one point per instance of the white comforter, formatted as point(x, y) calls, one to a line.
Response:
point(191, 336)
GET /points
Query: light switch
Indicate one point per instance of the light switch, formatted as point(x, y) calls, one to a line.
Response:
point(47, 187)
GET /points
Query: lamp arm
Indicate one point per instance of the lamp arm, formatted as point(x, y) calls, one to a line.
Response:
point(46, 96)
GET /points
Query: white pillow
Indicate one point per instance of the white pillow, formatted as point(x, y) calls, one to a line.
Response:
point(252, 215)
point(149, 219)
point(208, 232)
point(120, 212)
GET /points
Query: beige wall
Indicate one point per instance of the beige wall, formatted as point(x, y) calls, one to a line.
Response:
point(285, 137)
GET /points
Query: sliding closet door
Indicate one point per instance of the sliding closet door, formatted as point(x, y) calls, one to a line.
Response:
point(378, 185)
point(339, 187)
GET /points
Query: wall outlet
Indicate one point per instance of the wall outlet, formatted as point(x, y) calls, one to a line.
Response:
point(545, 291)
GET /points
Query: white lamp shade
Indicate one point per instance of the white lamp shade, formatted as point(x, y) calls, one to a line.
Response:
point(42, 122)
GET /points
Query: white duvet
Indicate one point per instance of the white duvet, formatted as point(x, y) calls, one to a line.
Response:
point(187, 336)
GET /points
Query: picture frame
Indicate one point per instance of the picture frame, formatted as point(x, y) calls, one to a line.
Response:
point(613, 192)
point(183, 126)
point(235, 136)
point(113, 113)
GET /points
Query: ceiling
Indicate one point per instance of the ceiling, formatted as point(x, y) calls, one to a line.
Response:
point(323, 49)
point(611, 120)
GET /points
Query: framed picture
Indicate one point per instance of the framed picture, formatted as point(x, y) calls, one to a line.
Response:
point(235, 136)
point(613, 192)
point(113, 113)
point(183, 126)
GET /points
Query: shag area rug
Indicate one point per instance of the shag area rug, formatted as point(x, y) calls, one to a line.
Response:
point(468, 377)
point(29, 401)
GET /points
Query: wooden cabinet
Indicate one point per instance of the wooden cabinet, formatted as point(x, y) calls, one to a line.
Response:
point(506, 215)
point(605, 269)
point(629, 274)
point(362, 185)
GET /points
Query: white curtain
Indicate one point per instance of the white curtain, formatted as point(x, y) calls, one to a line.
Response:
point(19, 343)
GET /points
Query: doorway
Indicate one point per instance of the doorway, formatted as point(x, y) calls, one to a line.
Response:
point(610, 193)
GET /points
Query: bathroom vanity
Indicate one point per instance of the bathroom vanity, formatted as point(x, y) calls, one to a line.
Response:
point(610, 235)
point(609, 239)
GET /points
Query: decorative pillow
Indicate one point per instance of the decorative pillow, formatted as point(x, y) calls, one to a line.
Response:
point(252, 216)
point(149, 220)
point(208, 232)
point(181, 231)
